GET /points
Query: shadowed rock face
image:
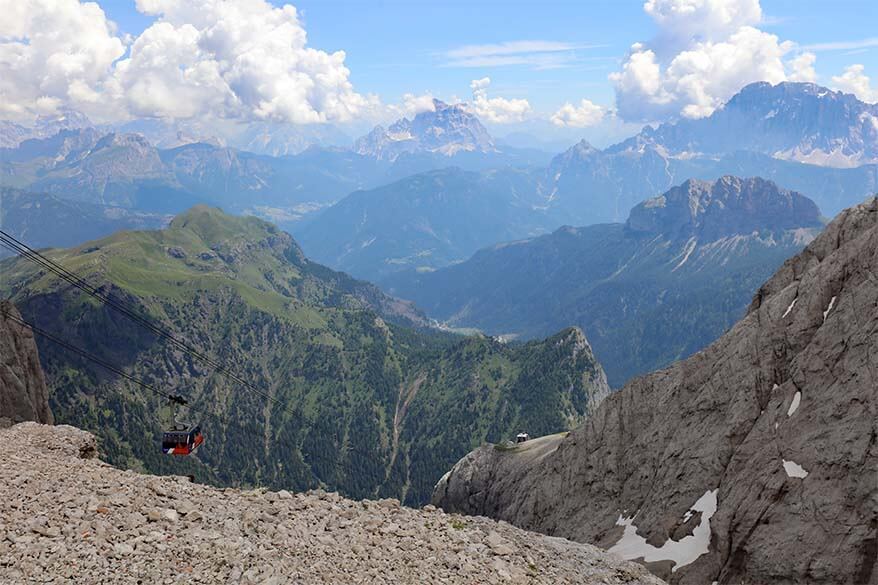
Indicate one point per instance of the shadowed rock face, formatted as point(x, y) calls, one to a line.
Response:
point(767, 437)
point(23, 392)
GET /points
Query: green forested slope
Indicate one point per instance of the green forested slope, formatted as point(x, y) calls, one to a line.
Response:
point(368, 402)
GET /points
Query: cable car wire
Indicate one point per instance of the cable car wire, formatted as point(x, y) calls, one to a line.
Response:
point(103, 363)
point(89, 356)
point(35, 257)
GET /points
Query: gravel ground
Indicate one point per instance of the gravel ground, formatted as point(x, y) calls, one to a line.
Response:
point(67, 517)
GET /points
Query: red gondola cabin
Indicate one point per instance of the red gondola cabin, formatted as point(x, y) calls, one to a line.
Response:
point(182, 442)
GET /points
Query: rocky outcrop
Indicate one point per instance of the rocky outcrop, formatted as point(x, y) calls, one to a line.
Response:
point(73, 519)
point(755, 460)
point(23, 392)
point(445, 129)
point(729, 206)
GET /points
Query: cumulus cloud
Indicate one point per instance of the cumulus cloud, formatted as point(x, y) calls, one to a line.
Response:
point(415, 104)
point(53, 53)
point(706, 50)
point(854, 80)
point(497, 110)
point(235, 59)
point(586, 114)
point(802, 68)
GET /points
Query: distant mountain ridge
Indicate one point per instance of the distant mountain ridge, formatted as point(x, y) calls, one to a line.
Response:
point(42, 220)
point(446, 129)
point(430, 219)
point(663, 285)
point(802, 136)
point(762, 131)
point(803, 122)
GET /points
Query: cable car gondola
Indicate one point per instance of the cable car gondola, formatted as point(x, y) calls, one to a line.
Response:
point(179, 440)
point(182, 442)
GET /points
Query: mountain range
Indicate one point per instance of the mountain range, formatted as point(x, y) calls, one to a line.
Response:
point(794, 131)
point(42, 220)
point(585, 186)
point(753, 461)
point(429, 219)
point(663, 285)
point(364, 398)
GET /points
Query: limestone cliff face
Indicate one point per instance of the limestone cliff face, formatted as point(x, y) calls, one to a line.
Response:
point(755, 460)
point(23, 392)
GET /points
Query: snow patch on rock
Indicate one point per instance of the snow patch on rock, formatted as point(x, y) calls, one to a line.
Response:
point(829, 308)
point(682, 552)
point(793, 469)
point(794, 405)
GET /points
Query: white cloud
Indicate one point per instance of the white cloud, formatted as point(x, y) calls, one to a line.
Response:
point(854, 80)
point(802, 67)
point(496, 110)
point(537, 54)
point(705, 18)
point(235, 59)
point(410, 106)
point(843, 45)
point(587, 114)
point(52, 53)
point(706, 50)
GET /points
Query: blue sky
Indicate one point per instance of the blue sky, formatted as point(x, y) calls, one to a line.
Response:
point(395, 47)
point(559, 70)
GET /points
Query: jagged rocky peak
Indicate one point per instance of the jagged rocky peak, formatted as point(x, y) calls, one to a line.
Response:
point(753, 461)
point(796, 121)
point(582, 150)
point(13, 134)
point(129, 140)
point(119, 526)
point(710, 210)
point(446, 129)
point(23, 392)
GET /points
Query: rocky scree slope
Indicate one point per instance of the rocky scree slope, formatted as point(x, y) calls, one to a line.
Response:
point(755, 460)
point(679, 273)
point(23, 391)
point(66, 517)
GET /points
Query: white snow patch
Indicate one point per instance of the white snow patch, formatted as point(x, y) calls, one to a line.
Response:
point(682, 552)
point(687, 515)
point(794, 405)
point(790, 308)
point(829, 308)
point(775, 387)
point(367, 243)
point(793, 469)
